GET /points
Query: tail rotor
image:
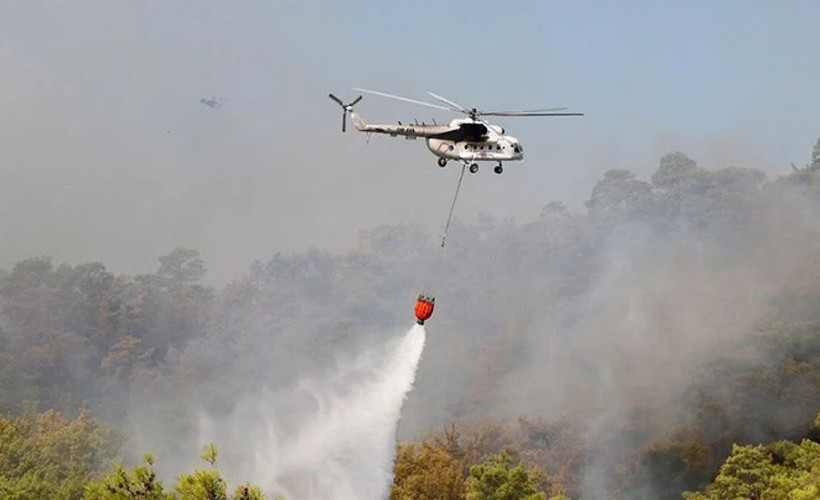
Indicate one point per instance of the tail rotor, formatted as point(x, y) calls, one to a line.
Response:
point(346, 108)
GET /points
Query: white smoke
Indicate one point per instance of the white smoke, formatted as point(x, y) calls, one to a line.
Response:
point(339, 446)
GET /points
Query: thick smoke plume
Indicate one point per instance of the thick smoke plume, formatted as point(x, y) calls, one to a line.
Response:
point(609, 318)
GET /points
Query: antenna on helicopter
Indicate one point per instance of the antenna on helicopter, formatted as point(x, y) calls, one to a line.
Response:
point(346, 108)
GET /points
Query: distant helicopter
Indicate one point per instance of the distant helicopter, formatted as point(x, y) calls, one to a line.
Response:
point(213, 102)
point(466, 140)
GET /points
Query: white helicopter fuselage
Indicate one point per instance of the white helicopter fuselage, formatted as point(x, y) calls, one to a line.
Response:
point(447, 143)
point(506, 148)
point(495, 147)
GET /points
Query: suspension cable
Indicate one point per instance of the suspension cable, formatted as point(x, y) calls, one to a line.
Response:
point(437, 260)
point(453, 206)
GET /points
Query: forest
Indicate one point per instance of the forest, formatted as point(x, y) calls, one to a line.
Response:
point(664, 342)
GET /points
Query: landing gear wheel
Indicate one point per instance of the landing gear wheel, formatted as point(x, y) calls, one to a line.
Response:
point(474, 168)
point(442, 162)
point(498, 169)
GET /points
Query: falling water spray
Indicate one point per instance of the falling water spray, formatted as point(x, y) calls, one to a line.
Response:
point(345, 448)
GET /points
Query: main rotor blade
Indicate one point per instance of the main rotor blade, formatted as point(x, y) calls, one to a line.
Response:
point(449, 103)
point(405, 99)
point(518, 113)
point(542, 110)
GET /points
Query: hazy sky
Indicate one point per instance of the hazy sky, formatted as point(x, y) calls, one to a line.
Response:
point(106, 153)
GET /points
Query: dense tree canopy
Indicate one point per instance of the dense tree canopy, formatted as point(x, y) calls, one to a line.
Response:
point(426, 471)
point(782, 469)
point(50, 455)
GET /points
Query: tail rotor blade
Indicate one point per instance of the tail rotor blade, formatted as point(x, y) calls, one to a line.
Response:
point(346, 108)
point(339, 101)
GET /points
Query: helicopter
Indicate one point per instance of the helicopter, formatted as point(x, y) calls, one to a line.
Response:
point(465, 140)
point(213, 102)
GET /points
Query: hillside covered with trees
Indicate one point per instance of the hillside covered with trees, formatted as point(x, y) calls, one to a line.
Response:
point(665, 339)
